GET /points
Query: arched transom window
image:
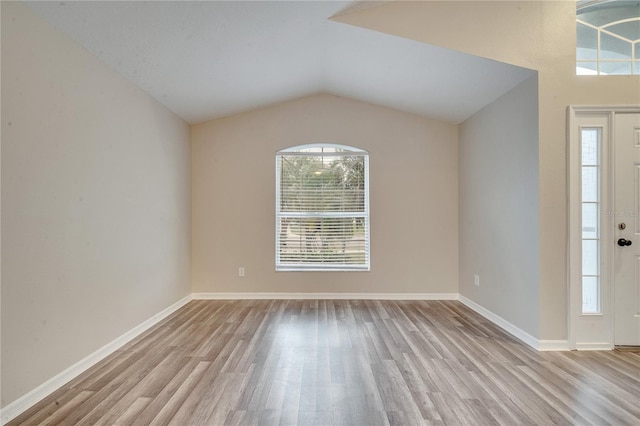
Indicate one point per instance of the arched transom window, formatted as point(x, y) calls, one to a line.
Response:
point(608, 37)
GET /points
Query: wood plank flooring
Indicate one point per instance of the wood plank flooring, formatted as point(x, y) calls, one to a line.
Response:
point(342, 362)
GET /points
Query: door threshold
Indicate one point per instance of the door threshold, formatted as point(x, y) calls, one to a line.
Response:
point(623, 348)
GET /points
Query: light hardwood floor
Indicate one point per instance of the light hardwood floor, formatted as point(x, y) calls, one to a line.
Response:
point(342, 362)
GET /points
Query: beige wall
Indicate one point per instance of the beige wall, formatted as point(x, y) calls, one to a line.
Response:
point(413, 180)
point(95, 204)
point(539, 35)
point(499, 207)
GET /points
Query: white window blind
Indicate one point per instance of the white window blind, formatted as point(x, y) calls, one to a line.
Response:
point(322, 208)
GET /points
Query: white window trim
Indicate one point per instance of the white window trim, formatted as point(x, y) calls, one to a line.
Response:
point(295, 150)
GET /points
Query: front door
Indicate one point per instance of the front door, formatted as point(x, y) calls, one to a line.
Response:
point(627, 232)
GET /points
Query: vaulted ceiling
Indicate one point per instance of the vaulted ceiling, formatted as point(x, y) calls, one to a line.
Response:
point(206, 60)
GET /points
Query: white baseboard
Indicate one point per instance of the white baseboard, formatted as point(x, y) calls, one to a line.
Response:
point(25, 402)
point(553, 345)
point(594, 346)
point(324, 296)
point(539, 345)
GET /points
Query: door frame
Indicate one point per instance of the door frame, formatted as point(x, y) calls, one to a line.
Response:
point(591, 331)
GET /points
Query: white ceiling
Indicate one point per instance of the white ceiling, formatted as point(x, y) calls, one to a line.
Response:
point(210, 59)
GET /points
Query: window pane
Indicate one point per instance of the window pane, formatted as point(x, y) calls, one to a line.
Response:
point(636, 67)
point(587, 68)
point(589, 183)
point(600, 13)
point(322, 240)
point(320, 184)
point(590, 295)
point(590, 257)
point(629, 30)
point(615, 68)
point(614, 48)
point(589, 220)
point(590, 148)
point(587, 39)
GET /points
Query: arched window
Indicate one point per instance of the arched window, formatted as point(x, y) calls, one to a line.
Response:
point(322, 208)
point(608, 37)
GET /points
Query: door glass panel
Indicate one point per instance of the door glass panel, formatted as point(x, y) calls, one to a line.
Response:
point(590, 295)
point(590, 142)
point(589, 220)
point(590, 257)
point(589, 147)
point(589, 183)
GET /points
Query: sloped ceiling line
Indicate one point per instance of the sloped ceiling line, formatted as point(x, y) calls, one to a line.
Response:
point(206, 60)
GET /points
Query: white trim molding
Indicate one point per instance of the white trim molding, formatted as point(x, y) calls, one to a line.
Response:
point(326, 296)
point(28, 400)
point(539, 345)
point(553, 345)
point(604, 346)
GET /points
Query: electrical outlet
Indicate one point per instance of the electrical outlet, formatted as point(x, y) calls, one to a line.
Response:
point(476, 280)
point(241, 271)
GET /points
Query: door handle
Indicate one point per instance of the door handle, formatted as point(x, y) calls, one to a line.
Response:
point(622, 242)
